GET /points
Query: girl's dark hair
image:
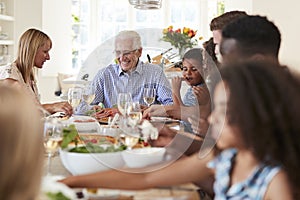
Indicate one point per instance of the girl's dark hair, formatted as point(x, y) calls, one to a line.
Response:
point(194, 53)
point(264, 103)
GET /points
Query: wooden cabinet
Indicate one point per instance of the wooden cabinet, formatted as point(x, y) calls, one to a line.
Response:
point(7, 31)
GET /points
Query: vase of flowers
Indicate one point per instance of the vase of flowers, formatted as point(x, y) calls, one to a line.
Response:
point(181, 39)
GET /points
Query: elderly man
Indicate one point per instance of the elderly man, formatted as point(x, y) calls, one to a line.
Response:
point(130, 75)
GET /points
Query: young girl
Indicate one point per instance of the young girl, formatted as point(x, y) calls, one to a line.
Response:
point(256, 128)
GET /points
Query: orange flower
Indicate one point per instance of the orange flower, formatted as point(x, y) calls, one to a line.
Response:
point(180, 38)
point(178, 30)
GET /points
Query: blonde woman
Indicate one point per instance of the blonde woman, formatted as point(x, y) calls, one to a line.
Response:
point(21, 146)
point(33, 52)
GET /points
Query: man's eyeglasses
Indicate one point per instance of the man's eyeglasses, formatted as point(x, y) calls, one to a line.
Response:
point(124, 53)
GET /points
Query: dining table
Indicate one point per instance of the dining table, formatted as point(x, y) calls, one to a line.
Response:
point(177, 192)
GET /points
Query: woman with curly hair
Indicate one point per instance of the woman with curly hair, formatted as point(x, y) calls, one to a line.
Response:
point(255, 126)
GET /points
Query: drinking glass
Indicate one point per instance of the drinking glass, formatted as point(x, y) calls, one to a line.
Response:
point(149, 95)
point(133, 113)
point(74, 97)
point(129, 139)
point(53, 135)
point(88, 93)
point(123, 98)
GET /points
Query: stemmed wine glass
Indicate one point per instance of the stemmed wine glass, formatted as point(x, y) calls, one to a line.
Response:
point(149, 95)
point(133, 113)
point(74, 97)
point(53, 135)
point(88, 93)
point(131, 135)
point(123, 98)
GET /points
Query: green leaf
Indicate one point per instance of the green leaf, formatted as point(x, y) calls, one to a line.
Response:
point(57, 196)
point(70, 134)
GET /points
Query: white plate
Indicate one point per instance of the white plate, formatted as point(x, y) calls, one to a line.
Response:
point(163, 119)
point(85, 124)
point(102, 194)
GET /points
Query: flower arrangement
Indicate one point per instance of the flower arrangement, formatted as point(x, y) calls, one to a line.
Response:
point(180, 39)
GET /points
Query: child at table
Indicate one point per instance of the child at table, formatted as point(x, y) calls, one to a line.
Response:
point(193, 73)
point(255, 125)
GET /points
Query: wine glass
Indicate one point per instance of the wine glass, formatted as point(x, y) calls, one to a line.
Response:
point(53, 135)
point(133, 113)
point(88, 94)
point(149, 95)
point(129, 139)
point(123, 98)
point(75, 96)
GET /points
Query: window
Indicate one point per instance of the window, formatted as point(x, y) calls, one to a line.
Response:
point(95, 21)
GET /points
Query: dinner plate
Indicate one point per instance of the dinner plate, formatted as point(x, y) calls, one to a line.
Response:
point(103, 120)
point(163, 120)
point(102, 194)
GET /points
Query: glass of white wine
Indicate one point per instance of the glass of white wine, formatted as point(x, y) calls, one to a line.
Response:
point(123, 98)
point(74, 97)
point(53, 135)
point(133, 113)
point(149, 95)
point(88, 93)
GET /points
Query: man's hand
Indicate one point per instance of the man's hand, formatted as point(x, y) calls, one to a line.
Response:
point(155, 110)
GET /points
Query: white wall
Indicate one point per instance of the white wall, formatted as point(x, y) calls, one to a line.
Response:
point(285, 14)
point(27, 15)
point(57, 19)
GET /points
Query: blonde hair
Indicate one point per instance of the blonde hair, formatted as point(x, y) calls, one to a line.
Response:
point(29, 43)
point(21, 148)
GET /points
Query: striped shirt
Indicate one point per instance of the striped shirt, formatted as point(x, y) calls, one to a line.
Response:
point(253, 188)
point(111, 80)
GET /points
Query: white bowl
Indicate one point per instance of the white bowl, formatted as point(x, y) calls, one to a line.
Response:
point(143, 157)
point(113, 131)
point(85, 124)
point(84, 163)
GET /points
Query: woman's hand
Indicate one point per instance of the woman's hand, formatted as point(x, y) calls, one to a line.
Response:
point(59, 107)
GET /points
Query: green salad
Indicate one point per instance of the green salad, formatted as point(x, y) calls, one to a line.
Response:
point(97, 148)
point(70, 134)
